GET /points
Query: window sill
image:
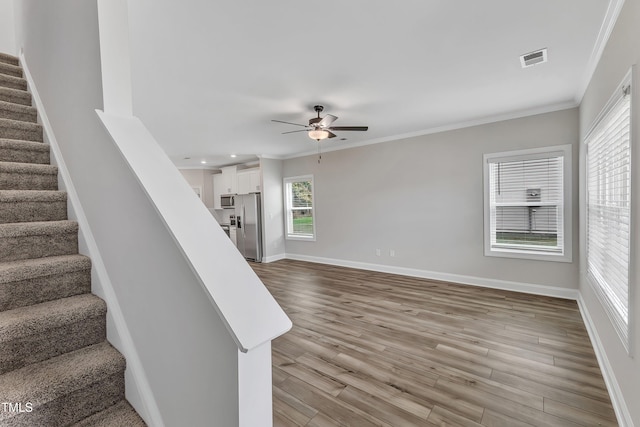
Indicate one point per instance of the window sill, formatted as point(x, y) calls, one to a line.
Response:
point(523, 254)
point(301, 238)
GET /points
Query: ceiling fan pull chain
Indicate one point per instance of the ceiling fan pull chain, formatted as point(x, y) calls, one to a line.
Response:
point(319, 153)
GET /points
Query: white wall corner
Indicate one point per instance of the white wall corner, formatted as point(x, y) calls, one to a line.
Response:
point(617, 398)
point(274, 258)
point(139, 391)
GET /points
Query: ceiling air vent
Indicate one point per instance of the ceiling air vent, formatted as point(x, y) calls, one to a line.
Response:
point(533, 58)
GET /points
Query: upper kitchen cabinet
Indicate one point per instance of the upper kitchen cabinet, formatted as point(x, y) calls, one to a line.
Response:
point(249, 181)
point(234, 181)
point(229, 180)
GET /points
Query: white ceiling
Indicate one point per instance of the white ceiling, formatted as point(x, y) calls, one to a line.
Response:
point(208, 77)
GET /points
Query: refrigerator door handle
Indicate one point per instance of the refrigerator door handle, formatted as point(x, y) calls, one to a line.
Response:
point(243, 214)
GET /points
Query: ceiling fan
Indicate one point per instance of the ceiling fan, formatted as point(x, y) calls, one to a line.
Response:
point(320, 128)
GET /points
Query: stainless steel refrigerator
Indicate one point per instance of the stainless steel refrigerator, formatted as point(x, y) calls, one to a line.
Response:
point(249, 226)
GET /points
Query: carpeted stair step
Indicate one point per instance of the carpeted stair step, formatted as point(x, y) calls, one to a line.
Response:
point(13, 82)
point(14, 95)
point(32, 205)
point(120, 414)
point(28, 176)
point(9, 59)
point(15, 129)
point(10, 69)
point(33, 281)
point(65, 389)
point(27, 240)
point(16, 151)
point(38, 332)
point(24, 113)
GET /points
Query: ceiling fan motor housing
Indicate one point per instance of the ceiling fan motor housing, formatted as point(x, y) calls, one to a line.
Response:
point(313, 122)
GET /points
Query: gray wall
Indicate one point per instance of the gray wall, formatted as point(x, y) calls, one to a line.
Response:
point(202, 178)
point(189, 357)
point(423, 198)
point(622, 51)
point(7, 28)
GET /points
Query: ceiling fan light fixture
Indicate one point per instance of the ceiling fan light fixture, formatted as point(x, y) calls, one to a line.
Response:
point(318, 134)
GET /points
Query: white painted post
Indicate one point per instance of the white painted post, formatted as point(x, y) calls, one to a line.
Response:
point(115, 55)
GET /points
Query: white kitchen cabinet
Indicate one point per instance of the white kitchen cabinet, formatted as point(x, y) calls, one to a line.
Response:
point(230, 180)
point(248, 181)
point(218, 190)
point(224, 183)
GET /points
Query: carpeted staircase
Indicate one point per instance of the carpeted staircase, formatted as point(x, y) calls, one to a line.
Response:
point(56, 367)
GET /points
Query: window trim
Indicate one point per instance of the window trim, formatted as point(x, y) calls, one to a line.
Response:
point(287, 234)
point(628, 342)
point(567, 220)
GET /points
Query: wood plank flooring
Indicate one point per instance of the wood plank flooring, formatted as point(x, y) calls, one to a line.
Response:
point(374, 349)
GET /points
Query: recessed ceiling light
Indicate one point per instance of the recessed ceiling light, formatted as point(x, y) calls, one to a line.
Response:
point(233, 156)
point(203, 162)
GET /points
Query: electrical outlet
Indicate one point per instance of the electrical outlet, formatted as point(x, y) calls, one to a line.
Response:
point(392, 252)
point(378, 252)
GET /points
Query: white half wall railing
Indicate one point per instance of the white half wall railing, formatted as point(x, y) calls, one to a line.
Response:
point(250, 313)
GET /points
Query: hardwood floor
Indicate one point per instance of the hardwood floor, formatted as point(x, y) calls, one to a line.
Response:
point(375, 349)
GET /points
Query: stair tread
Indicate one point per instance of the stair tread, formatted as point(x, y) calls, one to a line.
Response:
point(13, 196)
point(10, 69)
point(20, 151)
point(120, 414)
point(18, 124)
point(22, 144)
point(15, 96)
point(9, 59)
point(5, 105)
point(44, 381)
point(12, 271)
point(20, 229)
point(48, 315)
point(33, 168)
point(12, 82)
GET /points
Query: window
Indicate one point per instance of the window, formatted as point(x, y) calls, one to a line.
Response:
point(299, 208)
point(528, 204)
point(608, 208)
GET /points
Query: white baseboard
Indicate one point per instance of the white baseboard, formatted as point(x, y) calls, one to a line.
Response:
point(529, 288)
point(617, 400)
point(88, 246)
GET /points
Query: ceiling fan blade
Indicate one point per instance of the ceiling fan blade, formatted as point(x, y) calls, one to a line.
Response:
point(327, 120)
point(340, 128)
point(293, 131)
point(331, 134)
point(288, 123)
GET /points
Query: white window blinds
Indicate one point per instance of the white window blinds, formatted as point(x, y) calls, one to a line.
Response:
point(526, 202)
point(609, 211)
